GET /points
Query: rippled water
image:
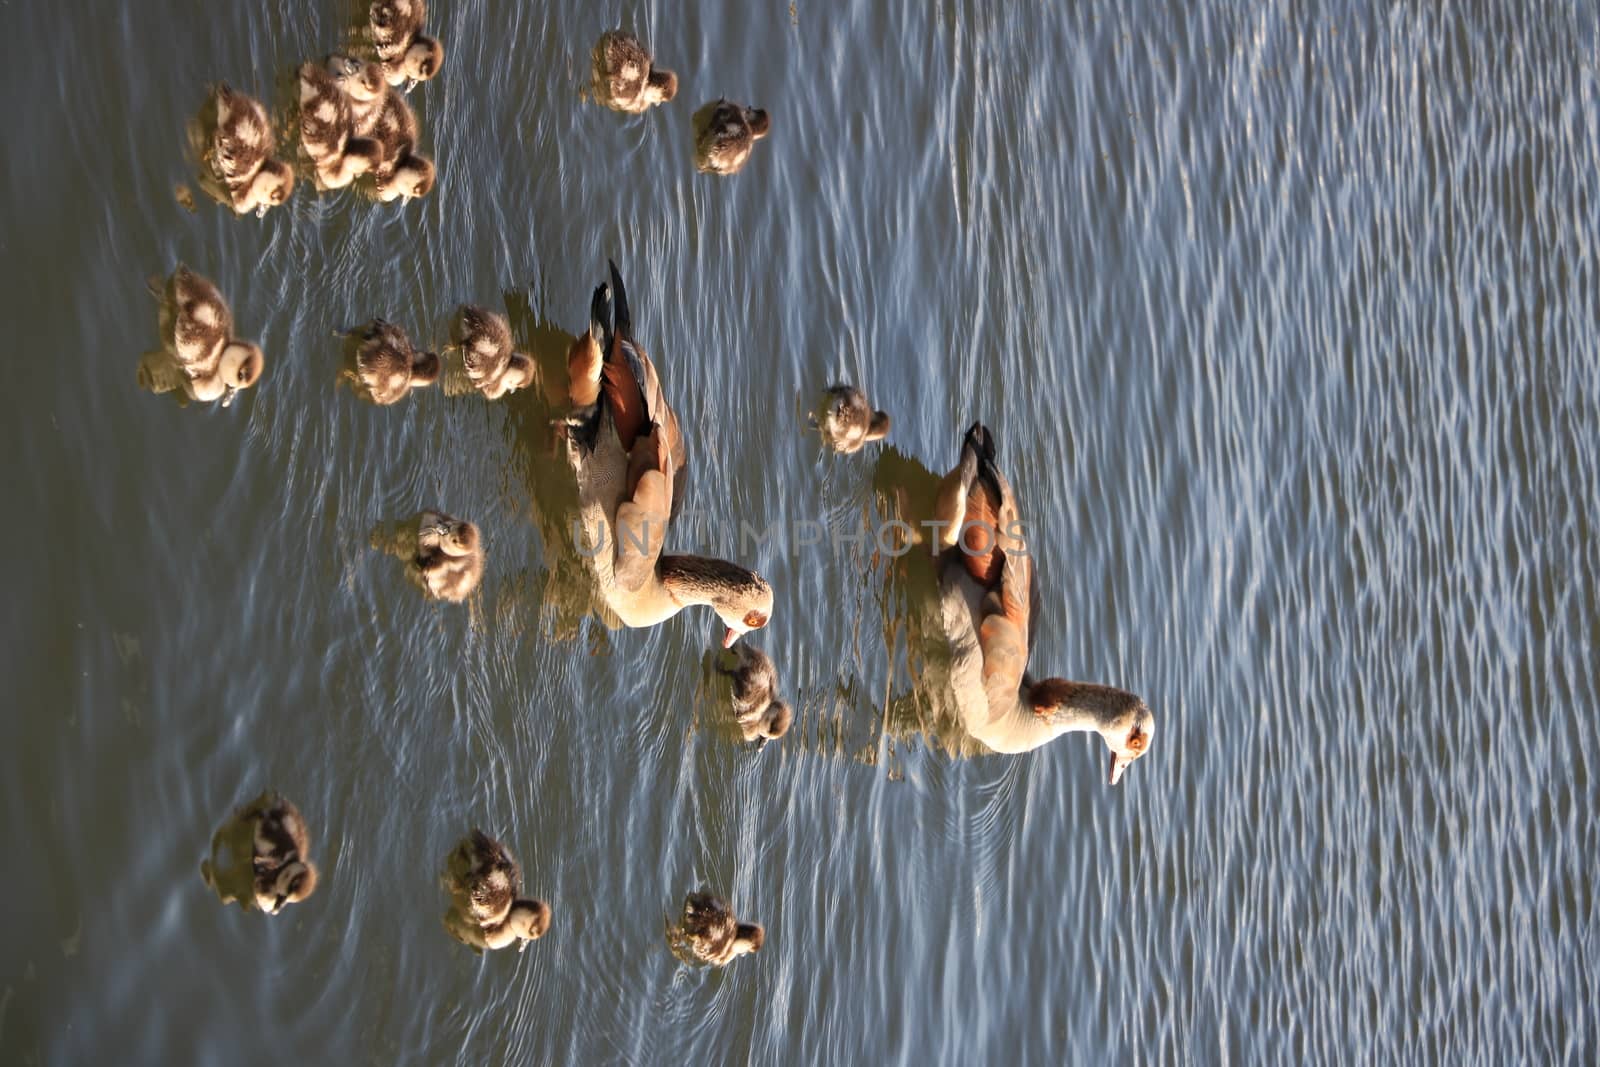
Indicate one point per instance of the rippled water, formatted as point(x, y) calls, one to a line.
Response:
point(1284, 316)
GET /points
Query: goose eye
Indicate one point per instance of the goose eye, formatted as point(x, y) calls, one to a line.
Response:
point(1135, 742)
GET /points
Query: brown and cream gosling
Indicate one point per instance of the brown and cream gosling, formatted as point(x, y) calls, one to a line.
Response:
point(624, 75)
point(449, 557)
point(485, 342)
point(407, 55)
point(761, 716)
point(848, 422)
point(386, 364)
point(239, 151)
point(711, 934)
point(202, 357)
point(262, 856)
point(725, 133)
point(485, 885)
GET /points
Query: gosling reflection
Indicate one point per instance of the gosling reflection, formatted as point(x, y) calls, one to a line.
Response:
point(239, 143)
point(760, 714)
point(443, 556)
point(724, 134)
point(987, 593)
point(484, 341)
point(382, 366)
point(487, 908)
point(709, 934)
point(261, 857)
point(624, 76)
point(626, 446)
point(199, 355)
point(846, 420)
point(406, 54)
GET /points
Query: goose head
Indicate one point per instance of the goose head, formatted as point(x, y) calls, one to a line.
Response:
point(773, 723)
point(1121, 719)
point(412, 177)
point(748, 938)
point(743, 607)
point(519, 374)
point(240, 368)
point(661, 86)
point(459, 538)
point(528, 920)
point(421, 61)
point(291, 883)
point(268, 189)
point(361, 81)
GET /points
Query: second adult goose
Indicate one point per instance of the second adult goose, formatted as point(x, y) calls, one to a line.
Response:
point(987, 603)
point(628, 452)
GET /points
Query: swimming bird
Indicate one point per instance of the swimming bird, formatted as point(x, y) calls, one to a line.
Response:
point(240, 153)
point(987, 603)
point(848, 421)
point(725, 133)
point(485, 885)
point(624, 76)
point(761, 716)
point(485, 341)
point(449, 555)
point(196, 329)
point(628, 452)
point(282, 860)
point(327, 125)
point(712, 935)
point(387, 365)
point(407, 55)
point(401, 171)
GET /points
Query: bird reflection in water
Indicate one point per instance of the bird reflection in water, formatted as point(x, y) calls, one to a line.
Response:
point(443, 556)
point(487, 908)
point(708, 934)
point(199, 357)
point(966, 597)
point(261, 857)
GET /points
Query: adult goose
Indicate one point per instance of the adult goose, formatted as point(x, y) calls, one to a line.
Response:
point(626, 446)
point(987, 602)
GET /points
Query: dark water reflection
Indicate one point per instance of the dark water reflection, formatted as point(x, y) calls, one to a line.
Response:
point(1286, 319)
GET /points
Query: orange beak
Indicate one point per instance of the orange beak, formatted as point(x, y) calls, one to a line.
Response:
point(729, 638)
point(1119, 763)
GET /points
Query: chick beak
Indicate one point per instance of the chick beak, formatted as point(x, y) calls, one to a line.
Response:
point(261, 211)
point(729, 638)
point(1119, 763)
point(411, 83)
point(227, 395)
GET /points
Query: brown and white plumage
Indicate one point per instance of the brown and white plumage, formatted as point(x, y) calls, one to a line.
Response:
point(196, 329)
point(848, 421)
point(758, 711)
point(492, 364)
point(449, 558)
point(628, 451)
point(987, 602)
point(261, 857)
point(401, 171)
point(407, 54)
point(387, 365)
point(327, 125)
point(725, 133)
point(624, 76)
point(485, 884)
point(240, 153)
point(710, 933)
